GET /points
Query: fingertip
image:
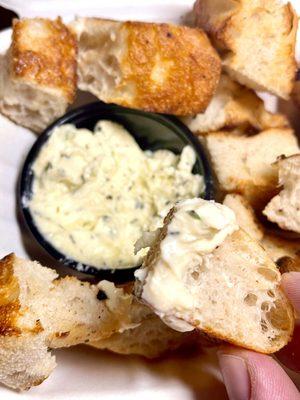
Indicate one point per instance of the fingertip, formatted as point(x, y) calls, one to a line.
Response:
point(290, 283)
point(235, 374)
point(291, 276)
point(248, 374)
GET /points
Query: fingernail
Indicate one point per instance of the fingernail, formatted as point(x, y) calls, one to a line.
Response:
point(291, 286)
point(235, 375)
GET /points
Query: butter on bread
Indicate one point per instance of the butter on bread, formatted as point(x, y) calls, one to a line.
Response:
point(284, 208)
point(38, 75)
point(154, 67)
point(256, 39)
point(245, 164)
point(231, 292)
point(234, 105)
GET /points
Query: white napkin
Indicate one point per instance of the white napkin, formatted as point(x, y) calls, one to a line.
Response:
point(144, 10)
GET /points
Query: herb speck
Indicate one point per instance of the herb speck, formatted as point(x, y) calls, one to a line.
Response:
point(194, 215)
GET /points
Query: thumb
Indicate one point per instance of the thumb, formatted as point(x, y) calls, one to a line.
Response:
point(249, 375)
point(291, 285)
point(290, 354)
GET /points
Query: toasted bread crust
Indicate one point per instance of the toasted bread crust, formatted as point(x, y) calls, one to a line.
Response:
point(184, 85)
point(288, 264)
point(161, 68)
point(9, 293)
point(48, 60)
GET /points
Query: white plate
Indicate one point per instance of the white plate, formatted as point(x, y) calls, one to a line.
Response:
point(82, 372)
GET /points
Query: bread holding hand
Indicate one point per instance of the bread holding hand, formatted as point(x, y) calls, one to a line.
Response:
point(154, 67)
point(204, 272)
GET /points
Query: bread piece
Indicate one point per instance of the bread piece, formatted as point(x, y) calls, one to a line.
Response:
point(154, 67)
point(284, 209)
point(296, 90)
point(38, 73)
point(205, 272)
point(277, 247)
point(150, 339)
point(39, 311)
point(233, 105)
point(245, 165)
point(256, 39)
point(287, 264)
point(245, 216)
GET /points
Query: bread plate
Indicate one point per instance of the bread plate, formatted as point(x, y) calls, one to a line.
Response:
point(84, 373)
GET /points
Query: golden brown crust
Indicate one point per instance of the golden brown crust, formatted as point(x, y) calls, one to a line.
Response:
point(10, 307)
point(9, 294)
point(44, 53)
point(173, 69)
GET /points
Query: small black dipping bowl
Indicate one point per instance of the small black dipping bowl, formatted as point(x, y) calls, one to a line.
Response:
point(151, 131)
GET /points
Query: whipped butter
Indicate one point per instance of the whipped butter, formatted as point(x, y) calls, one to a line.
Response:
point(196, 229)
point(95, 193)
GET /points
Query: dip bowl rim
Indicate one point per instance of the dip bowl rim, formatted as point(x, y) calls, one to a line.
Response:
point(117, 276)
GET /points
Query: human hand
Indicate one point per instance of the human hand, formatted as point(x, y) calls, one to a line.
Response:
point(249, 375)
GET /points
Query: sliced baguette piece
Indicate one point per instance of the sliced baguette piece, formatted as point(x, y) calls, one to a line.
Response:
point(38, 73)
point(151, 339)
point(277, 247)
point(39, 311)
point(205, 272)
point(245, 215)
point(284, 209)
point(256, 39)
point(245, 164)
point(154, 67)
point(234, 105)
point(287, 264)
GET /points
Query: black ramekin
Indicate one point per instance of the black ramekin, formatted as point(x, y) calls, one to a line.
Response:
point(151, 131)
